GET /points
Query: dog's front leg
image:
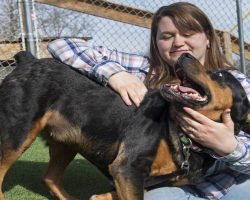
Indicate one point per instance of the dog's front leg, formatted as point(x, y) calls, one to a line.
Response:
point(106, 196)
point(127, 178)
point(128, 185)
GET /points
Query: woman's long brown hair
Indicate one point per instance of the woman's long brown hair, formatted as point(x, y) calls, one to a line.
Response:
point(186, 17)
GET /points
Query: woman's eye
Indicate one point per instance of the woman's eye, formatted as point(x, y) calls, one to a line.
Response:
point(166, 37)
point(187, 34)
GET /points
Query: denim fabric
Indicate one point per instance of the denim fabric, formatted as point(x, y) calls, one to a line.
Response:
point(240, 191)
point(172, 193)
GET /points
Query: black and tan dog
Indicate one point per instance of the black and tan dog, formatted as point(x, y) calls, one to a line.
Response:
point(128, 144)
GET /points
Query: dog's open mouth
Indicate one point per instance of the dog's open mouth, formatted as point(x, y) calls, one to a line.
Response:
point(188, 91)
point(185, 92)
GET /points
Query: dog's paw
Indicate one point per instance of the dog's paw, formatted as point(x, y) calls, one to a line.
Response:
point(106, 196)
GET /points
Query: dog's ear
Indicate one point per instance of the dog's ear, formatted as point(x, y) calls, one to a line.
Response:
point(246, 126)
point(240, 111)
point(240, 114)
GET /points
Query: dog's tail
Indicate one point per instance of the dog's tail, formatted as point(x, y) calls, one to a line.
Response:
point(24, 56)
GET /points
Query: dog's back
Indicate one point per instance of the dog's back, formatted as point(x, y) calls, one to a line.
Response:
point(23, 94)
point(46, 94)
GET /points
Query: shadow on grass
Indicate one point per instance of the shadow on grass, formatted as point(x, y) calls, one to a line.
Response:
point(81, 179)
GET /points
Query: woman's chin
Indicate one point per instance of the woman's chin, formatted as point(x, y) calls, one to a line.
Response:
point(172, 58)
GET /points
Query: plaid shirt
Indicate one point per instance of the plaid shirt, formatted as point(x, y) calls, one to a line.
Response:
point(100, 63)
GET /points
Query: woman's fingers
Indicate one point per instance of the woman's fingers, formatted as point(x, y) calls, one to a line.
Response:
point(134, 95)
point(202, 119)
point(218, 136)
point(130, 87)
point(187, 123)
point(125, 97)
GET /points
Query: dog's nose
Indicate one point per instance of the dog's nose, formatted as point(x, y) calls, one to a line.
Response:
point(185, 57)
point(188, 55)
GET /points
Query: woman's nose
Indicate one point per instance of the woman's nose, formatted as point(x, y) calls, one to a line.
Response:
point(178, 40)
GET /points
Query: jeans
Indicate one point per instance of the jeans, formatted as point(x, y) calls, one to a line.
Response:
point(240, 191)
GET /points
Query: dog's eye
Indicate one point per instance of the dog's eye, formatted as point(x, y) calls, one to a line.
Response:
point(216, 75)
point(220, 74)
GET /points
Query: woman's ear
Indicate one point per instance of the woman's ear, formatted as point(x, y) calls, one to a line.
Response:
point(208, 40)
point(208, 43)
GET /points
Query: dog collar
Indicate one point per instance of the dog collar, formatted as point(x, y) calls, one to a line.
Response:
point(186, 146)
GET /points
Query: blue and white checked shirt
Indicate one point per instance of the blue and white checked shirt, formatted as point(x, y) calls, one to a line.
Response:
point(100, 63)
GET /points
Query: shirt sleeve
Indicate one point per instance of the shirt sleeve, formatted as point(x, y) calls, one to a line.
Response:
point(239, 159)
point(97, 62)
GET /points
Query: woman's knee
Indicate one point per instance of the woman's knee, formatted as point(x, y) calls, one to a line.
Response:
point(173, 193)
point(239, 191)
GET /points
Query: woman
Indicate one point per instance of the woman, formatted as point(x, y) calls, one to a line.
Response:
point(176, 29)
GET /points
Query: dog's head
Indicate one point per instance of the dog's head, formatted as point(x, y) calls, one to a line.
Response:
point(209, 92)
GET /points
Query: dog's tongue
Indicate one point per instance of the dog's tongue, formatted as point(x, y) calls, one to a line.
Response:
point(186, 89)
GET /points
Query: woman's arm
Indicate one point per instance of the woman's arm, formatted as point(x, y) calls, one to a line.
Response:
point(244, 81)
point(98, 62)
point(123, 72)
point(239, 159)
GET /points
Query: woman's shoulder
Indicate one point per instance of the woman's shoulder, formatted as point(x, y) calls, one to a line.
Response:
point(238, 74)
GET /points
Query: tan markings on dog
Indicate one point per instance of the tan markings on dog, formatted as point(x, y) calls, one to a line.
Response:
point(10, 155)
point(115, 165)
point(246, 127)
point(177, 181)
point(221, 99)
point(106, 196)
point(39, 125)
point(124, 188)
point(60, 129)
point(248, 118)
point(163, 163)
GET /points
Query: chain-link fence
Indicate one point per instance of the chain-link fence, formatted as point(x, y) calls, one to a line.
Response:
point(120, 24)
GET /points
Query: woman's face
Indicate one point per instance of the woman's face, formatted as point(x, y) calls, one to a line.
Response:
point(171, 43)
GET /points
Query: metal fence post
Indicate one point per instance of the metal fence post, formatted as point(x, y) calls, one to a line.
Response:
point(28, 27)
point(241, 36)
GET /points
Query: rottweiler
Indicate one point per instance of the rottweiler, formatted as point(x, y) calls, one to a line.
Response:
point(134, 147)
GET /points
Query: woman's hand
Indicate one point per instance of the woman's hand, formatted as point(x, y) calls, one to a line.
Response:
point(216, 136)
point(130, 87)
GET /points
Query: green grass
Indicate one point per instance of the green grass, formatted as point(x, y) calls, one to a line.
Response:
point(23, 180)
